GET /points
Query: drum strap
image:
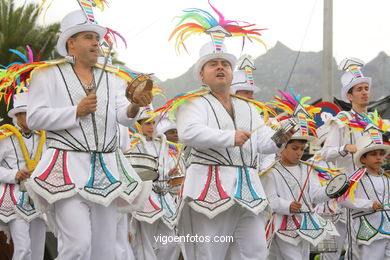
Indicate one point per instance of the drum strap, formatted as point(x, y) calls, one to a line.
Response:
point(294, 184)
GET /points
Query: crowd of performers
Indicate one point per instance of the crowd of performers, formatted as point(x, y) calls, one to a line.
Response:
point(110, 176)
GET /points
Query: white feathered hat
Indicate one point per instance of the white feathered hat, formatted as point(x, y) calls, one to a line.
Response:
point(352, 76)
point(76, 22)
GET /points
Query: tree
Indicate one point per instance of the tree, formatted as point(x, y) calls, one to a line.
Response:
point(19, 27)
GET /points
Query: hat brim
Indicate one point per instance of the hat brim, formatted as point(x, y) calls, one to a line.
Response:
point(162, 130)
point(346, 88)
point(238, 87)
point(204, 59)
point(64, 36)
point(360, 153)
point(12, 112)
point(308, 138)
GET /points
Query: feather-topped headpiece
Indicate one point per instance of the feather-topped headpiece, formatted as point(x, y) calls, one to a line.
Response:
point(201, 21)
point(295, 107)
point(371, 124)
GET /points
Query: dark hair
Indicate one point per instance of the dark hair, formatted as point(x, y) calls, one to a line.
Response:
point(303, 141)
point(74, 36)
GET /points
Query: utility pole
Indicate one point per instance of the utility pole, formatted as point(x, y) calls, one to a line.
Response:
point(327, 53)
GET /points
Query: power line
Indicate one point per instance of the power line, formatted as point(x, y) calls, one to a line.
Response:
point(300, 48)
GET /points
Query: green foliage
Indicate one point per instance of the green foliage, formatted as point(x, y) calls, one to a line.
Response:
point(19, 27)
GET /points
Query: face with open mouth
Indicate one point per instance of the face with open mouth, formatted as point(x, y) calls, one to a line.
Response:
point(217, 73)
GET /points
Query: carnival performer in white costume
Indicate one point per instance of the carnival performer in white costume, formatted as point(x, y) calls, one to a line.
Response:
point(222, 194)
point(83, 174)
point(20, 151)
point(369, 197)
point(340, 144)
point(330, 209)
point(292, 187)
point(243, 85)
point(176, 153)
point(155, 219)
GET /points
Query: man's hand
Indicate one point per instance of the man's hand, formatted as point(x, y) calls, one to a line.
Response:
point(295, 206)
point(377, 206)
point(350, 148)
point(241, 137)
point(87, 105)
point(173, 171)
point(141, 100)
point(22, 175)
point(144, 98)
point(286, 137)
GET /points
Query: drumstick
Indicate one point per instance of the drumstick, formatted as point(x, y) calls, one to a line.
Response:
point(266, 123)
point(178, 158)
point(104, 66)
point(307, 178)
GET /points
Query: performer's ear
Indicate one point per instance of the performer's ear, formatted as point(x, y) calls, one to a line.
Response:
point(201, 75)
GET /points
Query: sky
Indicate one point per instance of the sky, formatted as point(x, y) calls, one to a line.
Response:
point(360, 28)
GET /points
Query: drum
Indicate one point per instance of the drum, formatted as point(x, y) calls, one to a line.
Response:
point(175, 183)
point(337, 186)
point(146, 166)
point(138, 85)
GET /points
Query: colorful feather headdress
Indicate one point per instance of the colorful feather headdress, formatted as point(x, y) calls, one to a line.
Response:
point(168, 110)
point(371, 124)
point(203, 22)
point(15, 77)
point(324, 174)
point(295, 107)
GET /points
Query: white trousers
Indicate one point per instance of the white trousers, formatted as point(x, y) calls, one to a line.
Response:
point(148, 245)
point(377, 250)
point(123, 248)
point(28, 238)
point(86, 230)
point(352, 249)
point(236, 228)
point(341, 227)
point(282, 250)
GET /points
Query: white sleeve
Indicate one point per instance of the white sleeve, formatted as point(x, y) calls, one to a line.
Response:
point(41, 114)
point(123, 138)
point(278, 204)
point(265, 145)
point(121, 102)
point(317, 193)
point(333, 146)
point(193, 130)
point(358, 204)
point(6, 175)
